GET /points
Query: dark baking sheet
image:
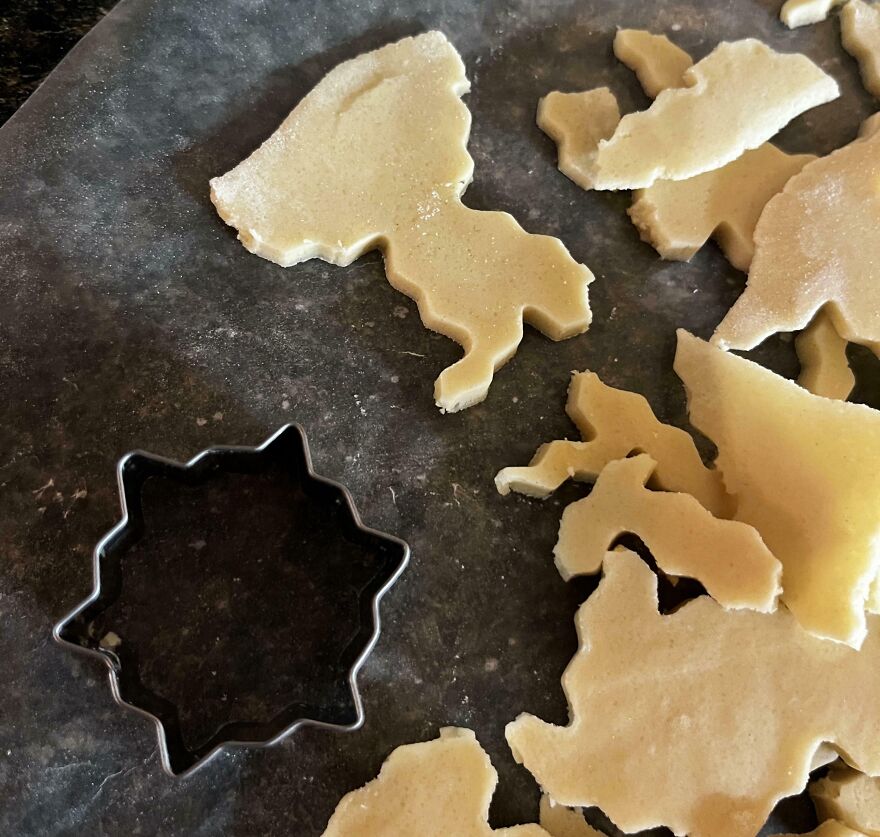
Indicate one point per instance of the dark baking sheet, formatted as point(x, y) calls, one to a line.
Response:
point(130, 317)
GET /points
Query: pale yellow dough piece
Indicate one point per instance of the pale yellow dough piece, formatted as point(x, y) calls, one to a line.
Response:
point(375, 156)
point(700, 720)
point(817, 244)
point(803, 470)
point(615, 423)
point(559, 821)
point(829, 828)
point(657, 62)
point(860, 33)
point(824, 365)
point(850, 797)
point(735, 99)
point(435, 788)
point(796, 13)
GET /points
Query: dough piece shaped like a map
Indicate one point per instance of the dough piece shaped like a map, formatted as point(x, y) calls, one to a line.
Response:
point(803, 470)
point(657, 62)
point(375, 156)
point(860, 33)
point(733, 100)
point(825, 367)
point(817, 244)
point(727, 557)
point(559, 821)
point(849, 797)
point(699, 720)
point(432, 789)
point(795, 13)
point(615, 423)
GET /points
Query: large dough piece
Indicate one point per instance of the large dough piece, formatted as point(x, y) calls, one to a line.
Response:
point(727, 557)
point(817, 244)
point(375, 156)
point(803, 470)
point(860, 33)
point(700, 720)
point(435, 788)
point(734, 99)
point(796, 13)
point(825, 367)
point(850, 797)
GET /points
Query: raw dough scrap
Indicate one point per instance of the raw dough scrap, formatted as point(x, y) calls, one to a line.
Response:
point(657, 62)
point(803, 470)
point(850, 797)
point(728, 558)
point(829, 828)
point(615, 423)
point(860, 33)
point(683, 720)
point(796, 13)
point(824, 365)
point(735, 99)
point(817, 244)
point(559, 821)
point(432, 789)
point(375, 156)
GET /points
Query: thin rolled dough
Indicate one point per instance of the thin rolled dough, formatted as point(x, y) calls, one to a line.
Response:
point(795, 13)
point(860, 34)
point(850, 797)
point(825, 367)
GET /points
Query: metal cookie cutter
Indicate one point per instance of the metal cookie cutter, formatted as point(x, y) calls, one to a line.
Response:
point(288, 448)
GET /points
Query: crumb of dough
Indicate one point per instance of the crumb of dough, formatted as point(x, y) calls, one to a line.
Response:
point(559, 821)
point(822, 354)
point(375, 156)
point(850, 797)
point(803, 471)
point(683, 720)
point(795, 13)
point(614, 424)
point(434, 788)
point(860, 33)
point(657, 62)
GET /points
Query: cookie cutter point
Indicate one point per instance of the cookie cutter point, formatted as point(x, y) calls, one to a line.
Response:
point(289, 443)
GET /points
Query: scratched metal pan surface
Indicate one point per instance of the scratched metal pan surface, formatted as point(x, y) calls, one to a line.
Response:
point(131, 318)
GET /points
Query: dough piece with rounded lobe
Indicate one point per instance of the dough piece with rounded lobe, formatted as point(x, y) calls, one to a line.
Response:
point(559, 821)
point(699, 720)
point(860, 34)
point(735, 99)
point(795, 13)
point(615, 423)
point(434, 788)
point(825, 367)
point(727, 557)
point(817, 244)
point(375, 156)
point(803, 471)
point(657, 62)
point(850, 797)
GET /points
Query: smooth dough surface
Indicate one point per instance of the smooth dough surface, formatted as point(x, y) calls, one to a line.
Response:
point(860, 34)
point(727, 557)
point(657, 62)
point(435, 788)
point(735, 99)
point(850, 797)
point(817, 244)
point(683, 720)
point(825, 367)
point(559, 821)
point(803, 470)
point(796, 13)
point(615, 423)
point(375, 156)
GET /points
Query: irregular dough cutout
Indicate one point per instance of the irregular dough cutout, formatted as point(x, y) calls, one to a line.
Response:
point(559, 821)
point(850, 797)
point(734, 99)
point(433, 789)
point(860, 33)
point(728, 558)
point(829, 828)
point(657, 62)
point(615, 423)
point(796, 13)
point(824, 365)
point(683, 720)
point(803, 470)
point(353, 168)
point(817, 243)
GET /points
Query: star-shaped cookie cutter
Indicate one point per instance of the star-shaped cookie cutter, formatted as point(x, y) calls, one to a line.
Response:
point(289, 447)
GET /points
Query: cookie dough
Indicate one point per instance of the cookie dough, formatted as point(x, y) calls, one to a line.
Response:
point(615, 423)
point(829, 828)
point(796, 13)
point(860, 33)
point(657, 62)
point(700, 720)
point(850, 797)
point(559, 821)
point(433, 789)
point(824, 365)
point(728, 558)
point(817, 244)
point(733, 100)
point(803, 470)
point(375, 156)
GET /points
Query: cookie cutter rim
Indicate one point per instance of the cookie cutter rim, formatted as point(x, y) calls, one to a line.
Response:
point(132, 518)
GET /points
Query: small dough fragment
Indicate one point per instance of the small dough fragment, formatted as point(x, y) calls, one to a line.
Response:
point(728, 558)
point(657, 62)
point(825, 367)
point(375, 156)
point(795, 13)
point(683, 720)
point(860, 33)
point(850, 797)
point(432, 789)
point(559, 821)
point(803, 470)
point(829, 828)
point(735, 99)
point(615, 423)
